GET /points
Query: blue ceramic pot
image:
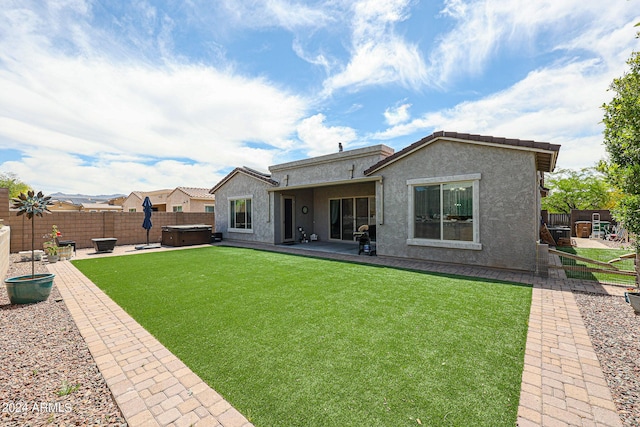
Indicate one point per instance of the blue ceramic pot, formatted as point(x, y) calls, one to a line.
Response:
point(28, 289)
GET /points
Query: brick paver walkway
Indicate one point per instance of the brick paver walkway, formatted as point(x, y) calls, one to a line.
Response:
point(151, 386)
point(562, 381)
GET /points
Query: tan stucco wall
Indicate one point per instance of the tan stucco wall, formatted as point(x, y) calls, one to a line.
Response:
point(180, 198)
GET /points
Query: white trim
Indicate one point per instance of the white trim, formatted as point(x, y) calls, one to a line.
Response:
point(452, 244)
point(239, 230)
point(474, 179)
point(445, 179)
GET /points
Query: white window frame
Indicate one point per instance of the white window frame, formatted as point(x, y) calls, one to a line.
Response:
point(240, 230)
point(213, 208)
point(474, 179)
point(176, 208)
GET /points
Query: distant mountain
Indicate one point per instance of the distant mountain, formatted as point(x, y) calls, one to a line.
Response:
point(78, 199)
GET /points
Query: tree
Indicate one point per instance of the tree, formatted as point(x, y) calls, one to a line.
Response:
point(577, 189)
point(11, 181)
point(622, 142)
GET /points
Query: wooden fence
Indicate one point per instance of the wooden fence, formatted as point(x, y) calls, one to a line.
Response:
point(559, 219)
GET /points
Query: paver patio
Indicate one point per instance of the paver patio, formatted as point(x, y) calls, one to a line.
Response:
point(562, 381)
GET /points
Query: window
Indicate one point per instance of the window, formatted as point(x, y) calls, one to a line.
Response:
point(443, 212)
point(209, 208)
point(177, 208)
point(240, 214)
point(132, 209)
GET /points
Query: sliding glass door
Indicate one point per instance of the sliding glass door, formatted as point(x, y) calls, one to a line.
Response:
point(348, 214)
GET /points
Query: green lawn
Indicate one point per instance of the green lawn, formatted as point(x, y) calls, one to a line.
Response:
point(602, 255)
point(298, 341)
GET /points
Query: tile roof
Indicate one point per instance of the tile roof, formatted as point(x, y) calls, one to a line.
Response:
point(196, 193)
point(545, 158)
point(247, 171)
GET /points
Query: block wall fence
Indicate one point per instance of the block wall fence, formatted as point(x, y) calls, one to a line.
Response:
point(81, 227)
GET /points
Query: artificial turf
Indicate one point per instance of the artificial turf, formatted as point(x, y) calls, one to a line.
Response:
point(298, 341)
point(602, 255)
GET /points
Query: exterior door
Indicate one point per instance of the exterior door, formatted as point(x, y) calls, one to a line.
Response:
point(288, 228)
point(346, 215)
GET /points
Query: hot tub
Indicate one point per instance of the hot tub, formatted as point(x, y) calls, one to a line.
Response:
point(186, 235)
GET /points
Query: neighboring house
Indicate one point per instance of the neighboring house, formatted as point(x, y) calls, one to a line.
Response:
point(118, 201)
point(63, 206)
point(189, 199)
point(450, 197)
point(100, 207)
point(133, 202)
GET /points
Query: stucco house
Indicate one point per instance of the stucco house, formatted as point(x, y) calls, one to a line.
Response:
point(450, 197)
point(133, 202)
point(190, 199)
point(100, 207)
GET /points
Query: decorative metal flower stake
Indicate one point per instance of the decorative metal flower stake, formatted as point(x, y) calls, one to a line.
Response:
point(32, 204)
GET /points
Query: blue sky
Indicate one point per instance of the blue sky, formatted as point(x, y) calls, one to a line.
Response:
point(105, 96)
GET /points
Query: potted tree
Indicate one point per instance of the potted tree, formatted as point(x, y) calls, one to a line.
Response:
point(35, 287)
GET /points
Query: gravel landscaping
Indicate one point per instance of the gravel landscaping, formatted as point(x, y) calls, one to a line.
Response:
point(49, 377)
point(47, 373)
point(614, 330)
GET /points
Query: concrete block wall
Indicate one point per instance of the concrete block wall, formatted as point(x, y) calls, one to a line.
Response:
point(81, 227)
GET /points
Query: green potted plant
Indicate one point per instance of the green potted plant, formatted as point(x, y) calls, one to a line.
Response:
point(52, 253)
point(35, 287)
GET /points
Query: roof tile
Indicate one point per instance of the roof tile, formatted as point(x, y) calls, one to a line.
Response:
point(543, 163)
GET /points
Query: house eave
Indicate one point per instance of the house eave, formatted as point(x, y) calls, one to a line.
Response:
point(545, 157)
point(375, 178)
point(248, 172)
point(358, 153)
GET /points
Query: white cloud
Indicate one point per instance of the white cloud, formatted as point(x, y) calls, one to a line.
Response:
point(378, 55)
point(484, 28)
point(53, 171)
point(397, 115)
point(321, 139)
point(558, 105)
point(111, 113)
point(290, 15)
